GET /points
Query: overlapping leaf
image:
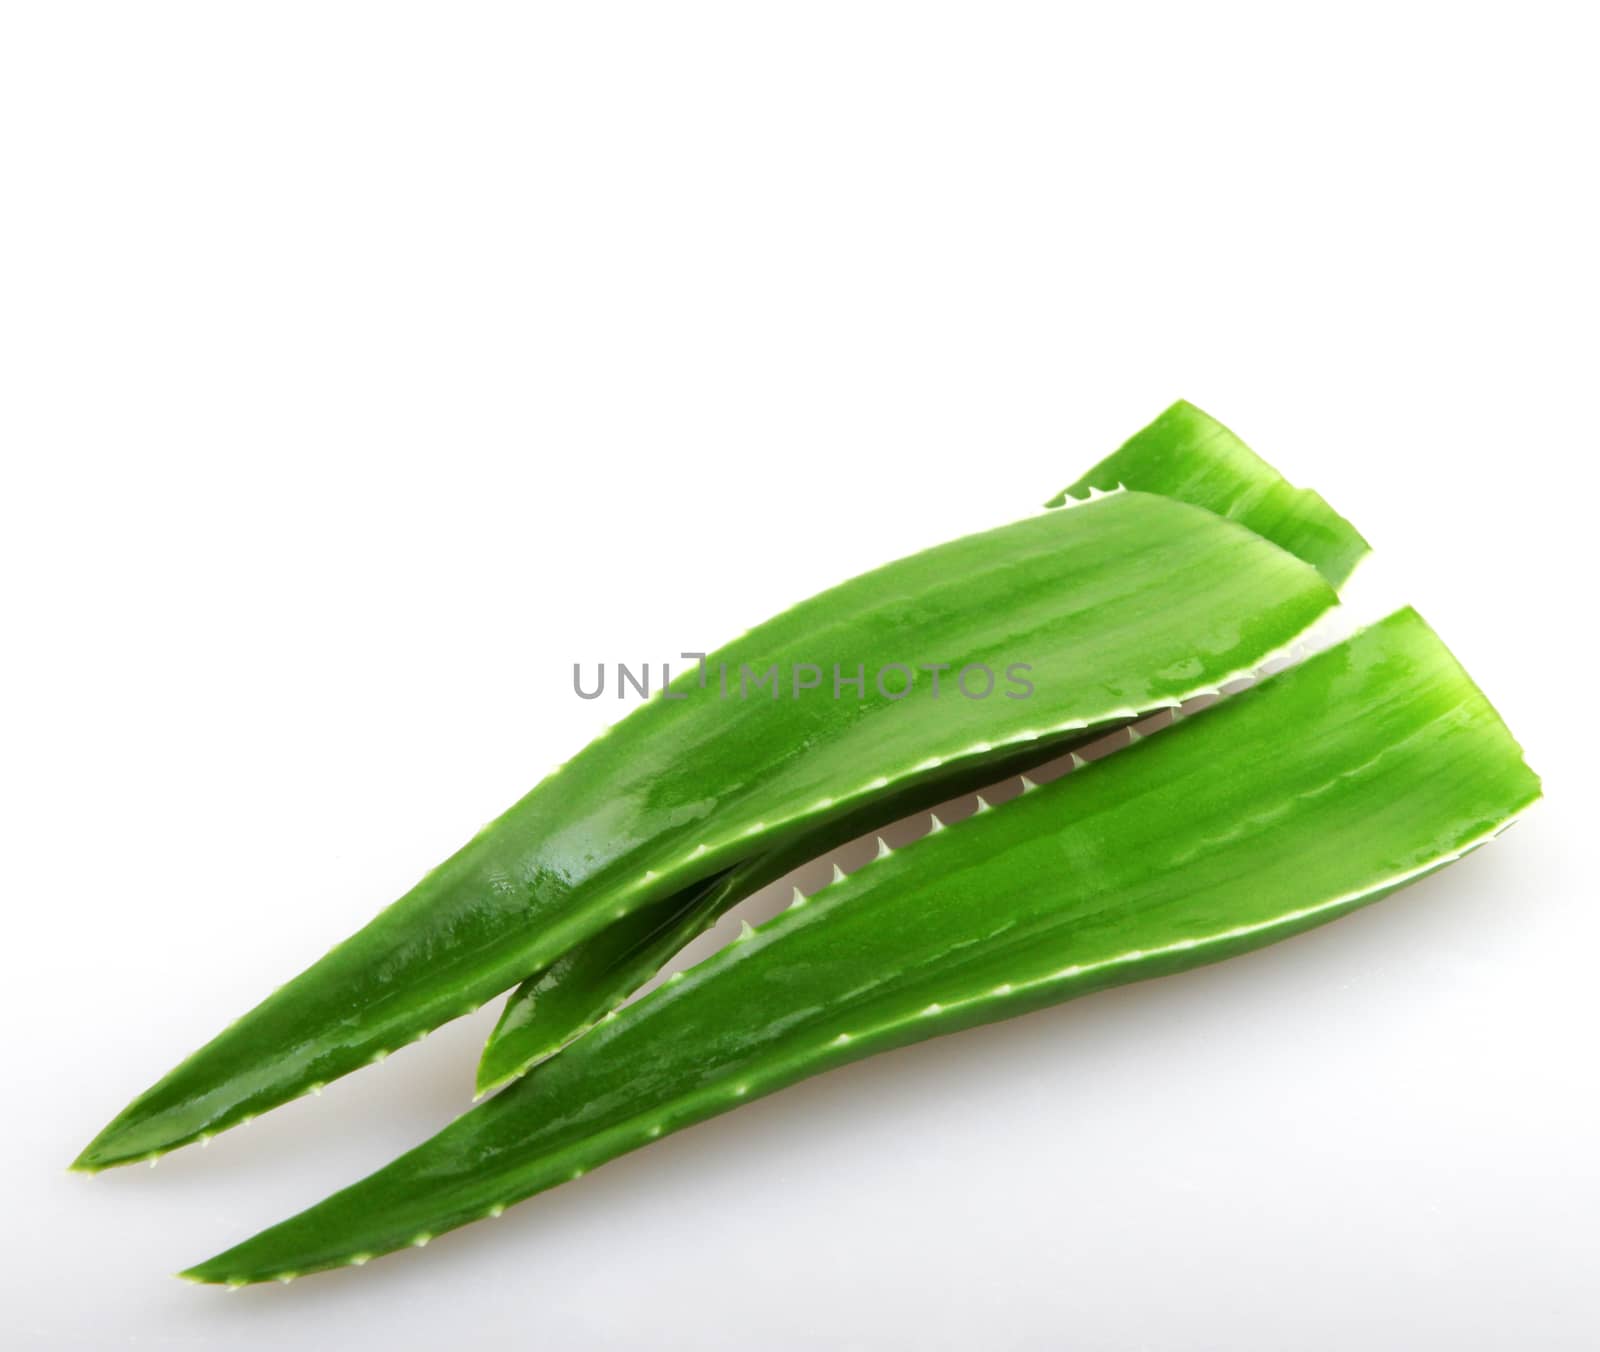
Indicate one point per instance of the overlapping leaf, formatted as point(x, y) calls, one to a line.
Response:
point(1121, 605)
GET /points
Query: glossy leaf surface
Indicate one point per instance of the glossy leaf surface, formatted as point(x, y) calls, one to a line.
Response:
point(1121, 605)
point(1323, 789)
point(1189, 455)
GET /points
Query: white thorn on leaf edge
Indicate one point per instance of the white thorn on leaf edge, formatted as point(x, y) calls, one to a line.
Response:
point(1175, 703)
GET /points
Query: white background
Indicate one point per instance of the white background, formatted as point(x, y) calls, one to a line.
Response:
point(365, 367)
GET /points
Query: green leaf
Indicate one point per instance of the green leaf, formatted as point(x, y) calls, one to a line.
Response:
point(1188, 455)
point(1319, 791)
point(1125, 604)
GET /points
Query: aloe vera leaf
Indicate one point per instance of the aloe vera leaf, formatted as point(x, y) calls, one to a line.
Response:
point(552, 1007)
point(1184, 454)
point(1319, 791)
point(1121, 605)
point(573, 988)
point(1187, 454)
